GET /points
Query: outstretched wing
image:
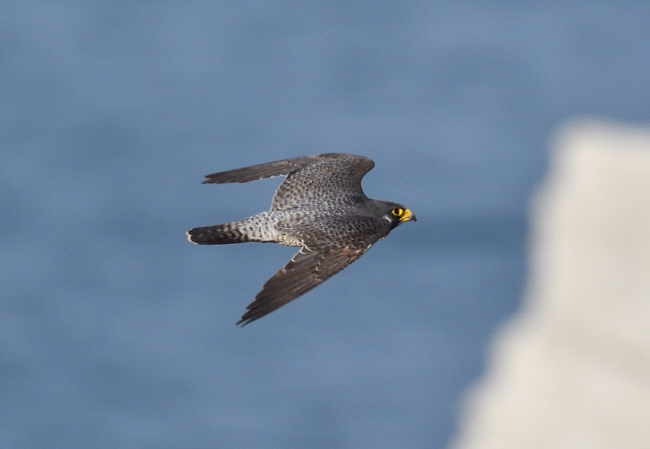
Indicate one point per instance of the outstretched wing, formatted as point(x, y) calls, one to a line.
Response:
point(334, 180)
point(305, 270)
point(278, 168)
point(261, 171)
point(310, 179)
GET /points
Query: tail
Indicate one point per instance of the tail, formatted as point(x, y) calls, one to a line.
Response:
point(253, 229)
point(216, 235)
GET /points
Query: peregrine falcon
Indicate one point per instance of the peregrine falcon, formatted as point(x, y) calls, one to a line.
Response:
point(319, 207)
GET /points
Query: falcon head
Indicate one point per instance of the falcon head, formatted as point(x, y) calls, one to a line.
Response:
point(398, 214)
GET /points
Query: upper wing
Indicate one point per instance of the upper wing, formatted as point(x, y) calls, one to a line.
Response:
point(334, 178)
point(320, 177)
point(268, 170)
point(305, 270)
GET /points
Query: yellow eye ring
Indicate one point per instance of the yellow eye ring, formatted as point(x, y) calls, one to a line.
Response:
point(398, 211)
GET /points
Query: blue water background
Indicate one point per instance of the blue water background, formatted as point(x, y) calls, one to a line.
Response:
point(115, 332)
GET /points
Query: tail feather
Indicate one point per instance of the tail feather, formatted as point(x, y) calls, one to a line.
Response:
point(217, 235)
point(258, 228)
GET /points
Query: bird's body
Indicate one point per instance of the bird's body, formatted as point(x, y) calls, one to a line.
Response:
point(319, 207)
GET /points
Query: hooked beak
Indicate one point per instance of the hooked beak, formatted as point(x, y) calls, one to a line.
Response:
point(408, 216)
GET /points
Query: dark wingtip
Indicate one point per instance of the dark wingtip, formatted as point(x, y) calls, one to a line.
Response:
point(245, 320)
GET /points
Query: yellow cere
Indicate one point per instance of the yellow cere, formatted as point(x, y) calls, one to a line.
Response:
point(405, 215)
point(402, 214)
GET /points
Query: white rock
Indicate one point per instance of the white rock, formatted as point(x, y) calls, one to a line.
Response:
point(572, 369)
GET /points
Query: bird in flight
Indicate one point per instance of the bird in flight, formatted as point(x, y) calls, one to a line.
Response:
point(319, 207)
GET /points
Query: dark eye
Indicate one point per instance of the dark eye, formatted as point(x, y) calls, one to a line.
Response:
point(398, 211)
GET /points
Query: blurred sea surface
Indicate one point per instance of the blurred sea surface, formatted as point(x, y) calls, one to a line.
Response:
point(115, 332)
